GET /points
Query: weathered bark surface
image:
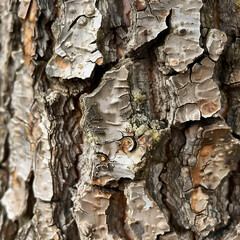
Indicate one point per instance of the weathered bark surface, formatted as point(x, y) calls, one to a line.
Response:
point(119, 119)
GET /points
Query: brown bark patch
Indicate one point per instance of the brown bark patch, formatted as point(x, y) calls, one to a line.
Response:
point(126, 12)
point(16, 180)
point(105, 181)
point(203, 156)
point(61, 63)
point(140, 5)
point(127, 144)
point(208, 107)
point(198, 200)
point(99, 61)
point(103, 158)
point(29, 25)
point(206, 151)
point(120, 52)
point(99, 194)
point(165, 13)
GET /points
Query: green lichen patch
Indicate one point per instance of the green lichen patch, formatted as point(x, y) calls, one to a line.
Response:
point(91, 138)
point(237, 4)
point(139, 98)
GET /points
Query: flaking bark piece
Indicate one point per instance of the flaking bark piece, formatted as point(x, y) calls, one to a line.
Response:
point(202, 71)
point(20, 152)
point(182, 45)
point(188, 112)
point(147, 24)
point(106, 110)
point(198, 175)
point(216, 40)
point(15, 198)
point(217, 156)
point(23, 8)
point(144, 219)
point(118, 147)
point(20, 161)
point(122, 164)
point(43, 221)
point(198, 200)
point(194, 94)
point(90, 214)
point(76, 52)
point(43, 183)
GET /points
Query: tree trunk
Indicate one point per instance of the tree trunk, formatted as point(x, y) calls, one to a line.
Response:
point(119, 119)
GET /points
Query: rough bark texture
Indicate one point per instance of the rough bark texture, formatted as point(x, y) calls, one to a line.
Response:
point(119, 119)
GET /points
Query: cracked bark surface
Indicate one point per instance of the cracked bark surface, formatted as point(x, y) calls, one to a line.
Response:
point(119, 119)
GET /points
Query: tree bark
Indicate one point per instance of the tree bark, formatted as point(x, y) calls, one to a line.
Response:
point(119, 119)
